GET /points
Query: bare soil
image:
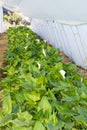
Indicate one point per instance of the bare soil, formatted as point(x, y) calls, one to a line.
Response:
point(3, 48)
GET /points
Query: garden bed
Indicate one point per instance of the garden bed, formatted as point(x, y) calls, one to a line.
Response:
point(3, 48)
point(43, 89)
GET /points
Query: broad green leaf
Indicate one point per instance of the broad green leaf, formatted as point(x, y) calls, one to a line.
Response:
point(19, 123)
point(82, 102)
point(83, 91)
point(70, 98)
point(44, 110)
point(19, 97)
point(81, 118)
point(24, 116)
point(29, 100)
point(42, 80)
point(15, 108)
point(38, 126)
point(71, 67)
point(44, 105)
point(34, 96)
point(7, 104)
point(30, 82)
point(59, 126)
point(82, 111)
point(6, 119)
point(82, 115)
point(53, 119)
point(59, 66)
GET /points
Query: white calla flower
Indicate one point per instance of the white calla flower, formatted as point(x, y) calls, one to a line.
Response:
point(62, 72)
point(38, 40)
point(43, 51)
point(39, 65)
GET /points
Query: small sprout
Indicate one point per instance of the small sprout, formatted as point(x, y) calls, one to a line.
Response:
point(62, 72)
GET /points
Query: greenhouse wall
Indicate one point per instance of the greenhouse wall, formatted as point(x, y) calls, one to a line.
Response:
point(2, 26)
point(71, 39)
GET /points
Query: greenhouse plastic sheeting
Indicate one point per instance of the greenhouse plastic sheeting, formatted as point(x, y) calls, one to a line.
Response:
point(63, 10)
point(11, 4)
point(69, 11)
point(72, 40)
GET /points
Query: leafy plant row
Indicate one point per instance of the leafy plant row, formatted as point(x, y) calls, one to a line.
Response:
point(36, 95)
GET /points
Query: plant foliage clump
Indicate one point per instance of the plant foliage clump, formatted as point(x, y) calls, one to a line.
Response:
point(35, 94)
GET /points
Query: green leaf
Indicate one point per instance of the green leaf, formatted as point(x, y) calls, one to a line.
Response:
point(81, 118)
point(7, 104)
point(83, 91)
point(82, 111)
point(30, 82)
point(6, 119)
point(21, 128)
point(34, 96)
point(70, 98)
point(44, 105)
point(24, 116)
point(59, 66)
point(19, 97)
point(19, 123)
point(38, 126)
point(56, 127)
point(71, 67)
point(53, 119)
point(30, 101)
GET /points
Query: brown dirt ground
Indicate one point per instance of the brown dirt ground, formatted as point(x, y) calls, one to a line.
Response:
point(3, 48)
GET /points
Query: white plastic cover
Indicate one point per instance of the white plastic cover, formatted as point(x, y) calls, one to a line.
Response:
point(66, 11)
point(2, 26)
point(11, 4)
point(63, 10)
